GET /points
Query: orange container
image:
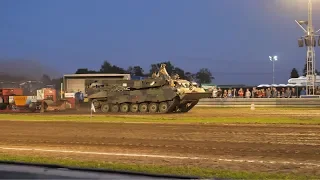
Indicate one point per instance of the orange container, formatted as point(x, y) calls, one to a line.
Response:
point(20, 100)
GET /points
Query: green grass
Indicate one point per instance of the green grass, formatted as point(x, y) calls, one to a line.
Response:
point(165, 119)
point(155, 169)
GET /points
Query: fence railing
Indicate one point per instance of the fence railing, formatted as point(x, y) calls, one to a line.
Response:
point(259, 102)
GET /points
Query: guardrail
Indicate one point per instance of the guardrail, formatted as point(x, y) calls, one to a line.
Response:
point(259, 102)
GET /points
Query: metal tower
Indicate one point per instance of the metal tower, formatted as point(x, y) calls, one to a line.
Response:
point(309, 39)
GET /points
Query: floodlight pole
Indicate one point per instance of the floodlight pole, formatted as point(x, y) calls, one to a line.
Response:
point(273, 59)
point(310, 40)
point(310, 54)
point(272, 71)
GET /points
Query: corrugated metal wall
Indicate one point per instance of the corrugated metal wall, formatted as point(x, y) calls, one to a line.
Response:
point(73, 85)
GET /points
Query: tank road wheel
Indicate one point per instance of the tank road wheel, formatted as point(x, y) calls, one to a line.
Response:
point(105, 107)
point(124, 107)
point(134, 108)
point(143, 107)
point(115, 108)
point(96, 103)
point(163, 107)
point(153, 107)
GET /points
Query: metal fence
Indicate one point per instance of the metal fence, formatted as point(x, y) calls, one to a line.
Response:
point(259, 102)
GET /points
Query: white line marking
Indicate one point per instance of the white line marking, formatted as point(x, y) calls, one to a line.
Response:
point(162, 156)
point(100, 153)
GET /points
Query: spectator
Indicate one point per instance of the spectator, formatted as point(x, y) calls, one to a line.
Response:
point(259, 92)
point(234, 93)
point(225, 93)
point(77, 100)
point(283, 94)
point(219, 93)
point(254, 92)
point(81, 97)
point(294, 93)
point(214, 92)
point(240, 93)
point(302, 92)
point(288, 93)
point(263, 92)
point(274, 93)
point(268, 93)
point(248, 93)
point(229, 93)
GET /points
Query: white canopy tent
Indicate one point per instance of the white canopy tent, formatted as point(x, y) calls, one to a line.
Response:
point(292, 85)
point(280, 85)
point(264, 85)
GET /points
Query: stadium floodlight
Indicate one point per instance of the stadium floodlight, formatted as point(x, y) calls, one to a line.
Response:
point(309, 40)
point(273, 59)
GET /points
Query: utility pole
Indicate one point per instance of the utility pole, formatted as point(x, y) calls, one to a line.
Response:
point(309, 39)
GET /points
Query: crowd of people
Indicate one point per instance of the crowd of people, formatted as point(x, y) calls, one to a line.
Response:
point(288, 92)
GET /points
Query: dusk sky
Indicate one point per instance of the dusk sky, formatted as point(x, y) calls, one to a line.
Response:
point(233, 38)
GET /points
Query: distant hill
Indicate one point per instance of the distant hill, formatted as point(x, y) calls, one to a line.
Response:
point(17, 69)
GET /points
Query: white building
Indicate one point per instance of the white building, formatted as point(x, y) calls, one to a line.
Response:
point(302, 81)
point(293, 82)
point(74, 82)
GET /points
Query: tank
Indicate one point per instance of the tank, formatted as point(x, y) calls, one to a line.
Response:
point(157, 94)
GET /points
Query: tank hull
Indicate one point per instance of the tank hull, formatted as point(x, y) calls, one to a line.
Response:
point(158, 100)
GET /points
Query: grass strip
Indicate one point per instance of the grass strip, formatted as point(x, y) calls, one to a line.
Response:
point(165, 119)
point(155, 169)
point(197, 115)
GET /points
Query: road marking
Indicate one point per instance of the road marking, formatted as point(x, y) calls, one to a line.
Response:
point(101, 153)
point(162, 156)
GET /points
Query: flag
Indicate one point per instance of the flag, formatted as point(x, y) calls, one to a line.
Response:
point(93, 108)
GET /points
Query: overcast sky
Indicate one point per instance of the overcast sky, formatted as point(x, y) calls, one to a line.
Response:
point(233, 38)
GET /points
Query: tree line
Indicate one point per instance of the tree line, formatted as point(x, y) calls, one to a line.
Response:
point(203, 76)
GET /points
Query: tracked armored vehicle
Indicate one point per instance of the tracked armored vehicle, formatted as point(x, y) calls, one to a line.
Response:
point(157, 94)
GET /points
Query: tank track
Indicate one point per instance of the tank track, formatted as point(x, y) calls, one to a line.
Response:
point(172, 106)
point(186, 107)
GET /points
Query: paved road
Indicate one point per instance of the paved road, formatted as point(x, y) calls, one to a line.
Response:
point(267, 148)
point(32, 171)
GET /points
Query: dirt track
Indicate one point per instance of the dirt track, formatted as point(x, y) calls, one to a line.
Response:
point(267, 148)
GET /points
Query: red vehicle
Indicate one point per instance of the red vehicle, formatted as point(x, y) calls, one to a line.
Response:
point(13, 99)
point(6, 92)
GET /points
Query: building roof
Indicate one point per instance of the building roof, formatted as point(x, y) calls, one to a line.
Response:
point(94, 75)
